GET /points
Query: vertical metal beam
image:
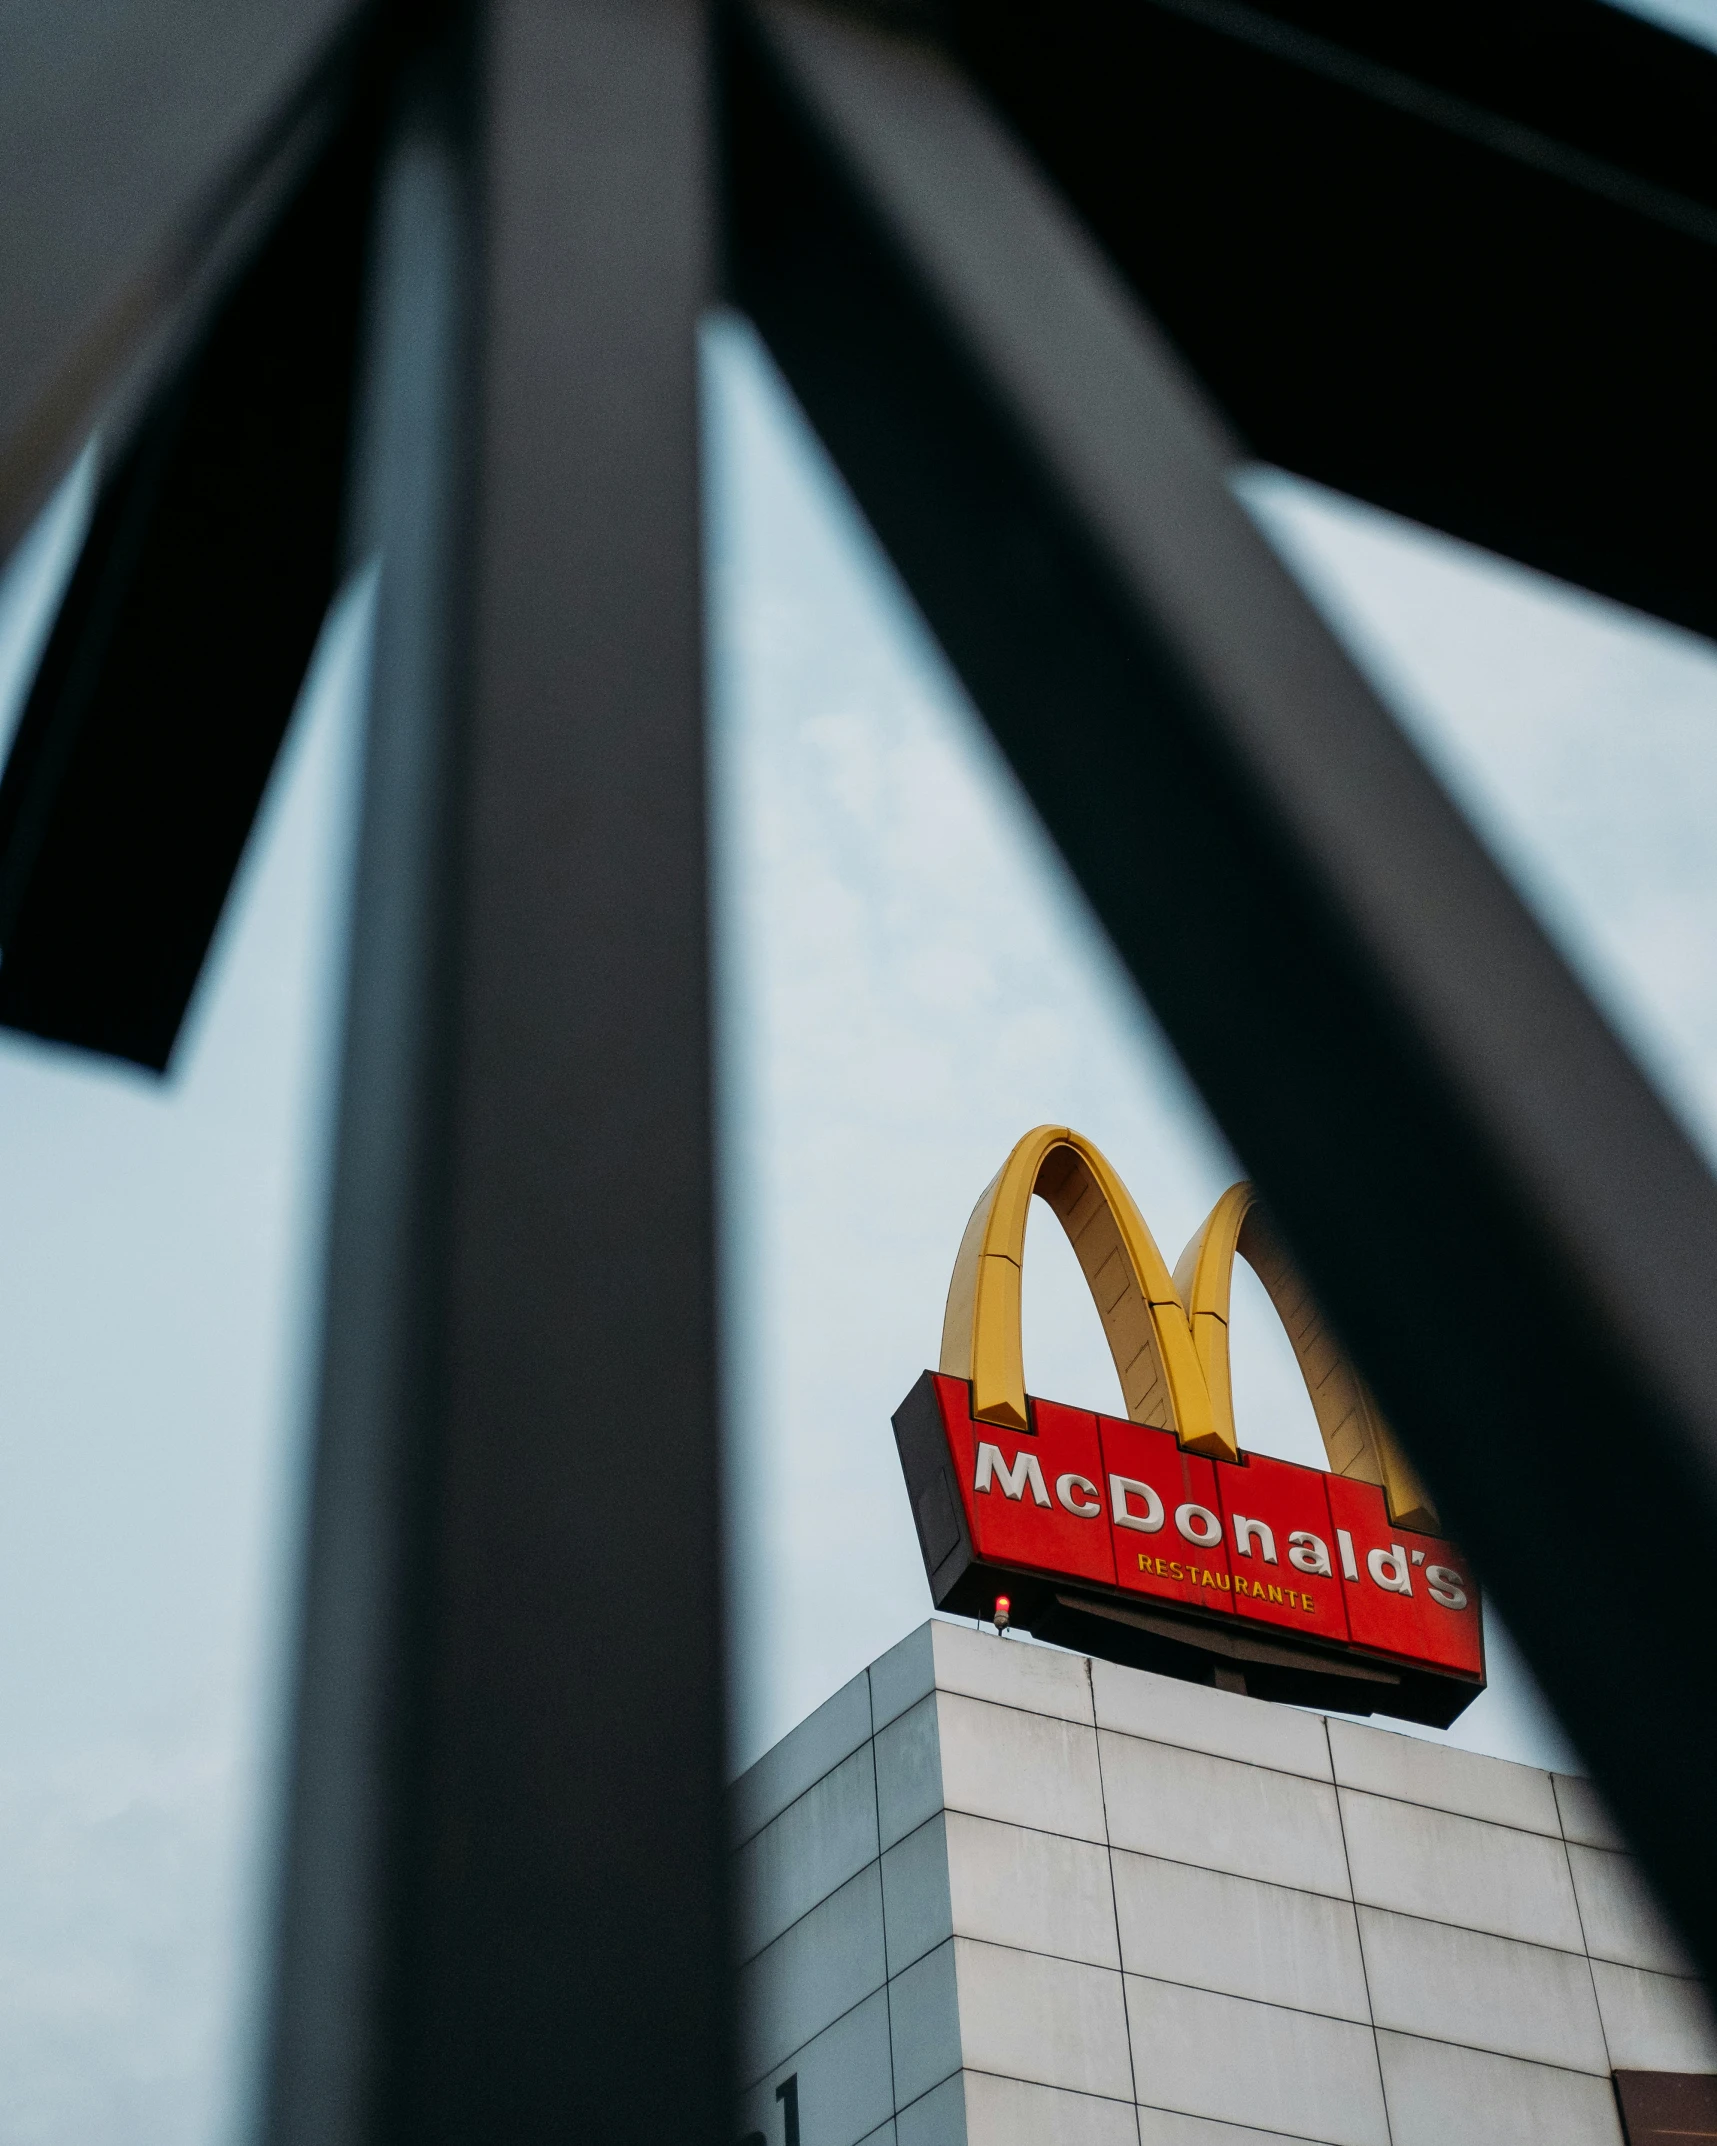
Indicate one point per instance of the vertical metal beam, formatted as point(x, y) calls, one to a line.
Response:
point(341, 1978)
point(570, 1967)
point(504, 1913)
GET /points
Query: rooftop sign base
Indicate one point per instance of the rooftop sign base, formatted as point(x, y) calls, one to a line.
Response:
point(1107, 1537)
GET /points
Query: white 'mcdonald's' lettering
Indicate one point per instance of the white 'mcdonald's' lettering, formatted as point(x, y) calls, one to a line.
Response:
point(1198, 1524)
point(1390, 1569)
point(1447, 1586)
point(1308, 1552)
point(1248, 1532)
point(1089, 1505)
point(1122, 1491)
point(1013, 1480)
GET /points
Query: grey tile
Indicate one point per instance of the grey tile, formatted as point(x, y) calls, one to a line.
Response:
point(1487, 1992)
point(1441, 2095)
point(804, 1755)
point(1027, 1769)
point(924, 2016)
point(1012, 2112)
point(1200, 1927)
point(1655, 2022)
point(908, 1771)
point(1040, 1892)
point(1200, 1719)
point(918, 1911)
point(1168, 2127)
point(1194, 1808)
point(815, 1845)
point(1620, 1918)
point(902, 1676)
point(1443, 1777)
point(883, 2135)
point(1011, 1672)
point(1053, 2022)
point(1255, 2065)
point(846, 2084)
point(937, 2118)
point(814, 1972)
point(1585, 1815)
point(1460, 1870)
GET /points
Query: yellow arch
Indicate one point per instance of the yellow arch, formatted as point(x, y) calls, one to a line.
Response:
point(1129, 1280)
point(1358, 1441)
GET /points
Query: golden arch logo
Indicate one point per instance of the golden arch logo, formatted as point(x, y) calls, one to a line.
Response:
point(1156, 1538)
point(1167, 1334)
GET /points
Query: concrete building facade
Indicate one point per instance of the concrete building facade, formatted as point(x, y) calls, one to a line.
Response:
point(991, 1894)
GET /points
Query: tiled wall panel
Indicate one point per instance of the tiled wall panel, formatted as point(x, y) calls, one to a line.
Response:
point(924, 2014)
point(1654, 2022)
point(917, 1905)
point(1051, 2022)
point(1414, 1771)
point(1035, 1770)
point(1011, 2112)
point(821, 1839)
point(1618, 1916)
point(1255, 2064)
point(1222, 1814)
point(1038, 1892)
point(845, 2082)
point(1439, 2093)
point(1487, 1992)
point(1328, 1932)
point(820, 1968)
point(1459, 1870)
point(1183, 1924)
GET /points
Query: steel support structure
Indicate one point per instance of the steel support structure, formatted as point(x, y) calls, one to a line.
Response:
point(350, 285)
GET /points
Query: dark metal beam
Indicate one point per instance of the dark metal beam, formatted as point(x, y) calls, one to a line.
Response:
point(508, 1838)
point(569, 1965)
point(1517, 1242)
point(177, 657)
point(143, 145)
point(1460, 260)
point(348, 1870)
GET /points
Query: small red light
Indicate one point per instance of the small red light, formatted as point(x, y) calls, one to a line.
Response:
point(1004, 1610)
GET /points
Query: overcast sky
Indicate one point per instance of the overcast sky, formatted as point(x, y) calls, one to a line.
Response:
point(908, 982)
point(911, 981)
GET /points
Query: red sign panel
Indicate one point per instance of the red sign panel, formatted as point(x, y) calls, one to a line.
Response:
point(1032, 1498)
point(1120, 1508)
point(1282, 1546)
point(1165, 1517)
point(1407, 1594)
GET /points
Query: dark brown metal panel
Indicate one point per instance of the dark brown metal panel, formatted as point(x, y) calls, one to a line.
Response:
point(1517, 1241)
point(1658, 2106)
point(565, 1959)
point(1460, 261)
point(132, 133)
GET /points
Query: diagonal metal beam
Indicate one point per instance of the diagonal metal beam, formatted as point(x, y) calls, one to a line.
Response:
point(1517, 1242)
point(145, 148)
point(1457, 259)
point(147, 740)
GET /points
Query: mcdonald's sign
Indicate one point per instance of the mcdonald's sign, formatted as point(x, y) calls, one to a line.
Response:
point(1158, 1541)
